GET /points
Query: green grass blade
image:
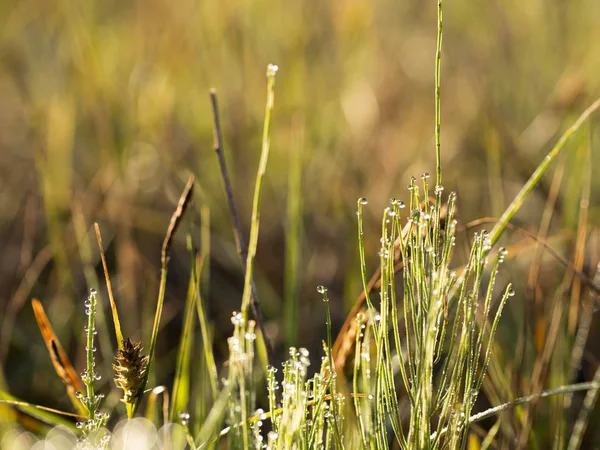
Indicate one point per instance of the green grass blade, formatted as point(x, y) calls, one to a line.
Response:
point(539, 171)
point(205, 332)
point(292, 244)
point(262, 167)
point(215, 417)
point(181, 381)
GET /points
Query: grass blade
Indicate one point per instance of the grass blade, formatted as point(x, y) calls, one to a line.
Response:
point(153, 399)
point(262, 166)
point(539, 171)
point(181, 382)
point(113, 305)
point(292, 243)
point(184, 202)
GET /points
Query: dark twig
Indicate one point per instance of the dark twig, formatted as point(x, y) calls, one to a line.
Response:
point(237, 230)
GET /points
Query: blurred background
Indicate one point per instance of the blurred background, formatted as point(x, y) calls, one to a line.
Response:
point(105, 111)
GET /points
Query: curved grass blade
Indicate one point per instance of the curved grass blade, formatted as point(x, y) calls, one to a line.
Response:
point(184, 202)
point(152, 400)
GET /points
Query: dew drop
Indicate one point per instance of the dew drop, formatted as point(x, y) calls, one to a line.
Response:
point(272, 70)
point(321, 289)
point(363, 201)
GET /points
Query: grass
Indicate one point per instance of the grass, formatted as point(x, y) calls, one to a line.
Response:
point(426, 357)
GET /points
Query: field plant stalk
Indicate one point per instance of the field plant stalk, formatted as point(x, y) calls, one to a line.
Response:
point(95, 418)
point(262, 167)
point(240, 246)
point(438, 114)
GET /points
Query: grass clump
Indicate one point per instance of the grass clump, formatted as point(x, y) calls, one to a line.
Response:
point(439, 345)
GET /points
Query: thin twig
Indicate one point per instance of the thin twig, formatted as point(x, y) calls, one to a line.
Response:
point(237, 229)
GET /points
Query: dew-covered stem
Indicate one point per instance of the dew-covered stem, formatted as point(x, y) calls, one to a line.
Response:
point(262, 167)
point(438, 59)
point(95, 418)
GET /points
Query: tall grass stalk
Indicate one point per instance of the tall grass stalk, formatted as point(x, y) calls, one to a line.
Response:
point(96, 419)
point(262, 167)
point(438, 114)
point(240, 246)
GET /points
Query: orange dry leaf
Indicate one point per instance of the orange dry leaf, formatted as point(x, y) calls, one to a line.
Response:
point(59, 358)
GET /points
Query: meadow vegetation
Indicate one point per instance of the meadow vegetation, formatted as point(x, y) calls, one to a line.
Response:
point(478, 330)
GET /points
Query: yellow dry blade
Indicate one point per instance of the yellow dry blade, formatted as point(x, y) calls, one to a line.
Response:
point(113, 305)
